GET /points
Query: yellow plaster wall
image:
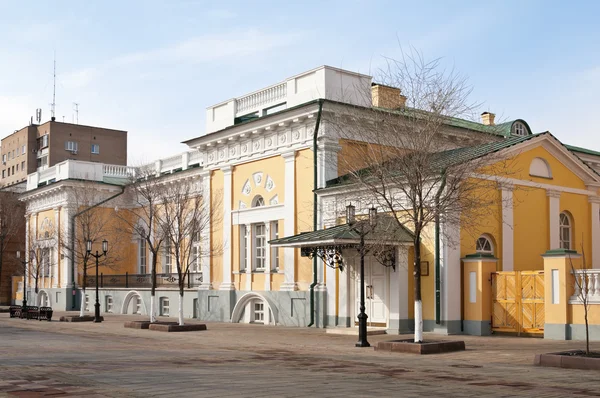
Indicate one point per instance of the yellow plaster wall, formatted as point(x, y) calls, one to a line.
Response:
point(427, 282)
point(577, 314)
point(304, 212)
point(580, 210)
point(531, 228)
point(273, 167)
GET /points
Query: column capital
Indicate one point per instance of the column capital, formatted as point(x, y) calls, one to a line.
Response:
point(226, 169)
point(289, 156)
point(552, 193)
point(594, 199)
point(506, 186)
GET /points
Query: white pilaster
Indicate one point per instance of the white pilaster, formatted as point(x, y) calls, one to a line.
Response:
point(227, 284)
point(267, 256)
point(508, 239)
point(451, 275)
point(595, 214)
point(399, 289)
point(65, 263)
point(205, 249)
point(249, 259)
point(26, 254)
point(55, 261)
point(289, 229)
point(331, 292)
point(554, 216)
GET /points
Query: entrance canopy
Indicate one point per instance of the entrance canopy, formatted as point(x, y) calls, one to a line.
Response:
point(328, 243)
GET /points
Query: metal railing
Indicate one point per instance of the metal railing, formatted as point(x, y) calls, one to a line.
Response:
point(191, 279)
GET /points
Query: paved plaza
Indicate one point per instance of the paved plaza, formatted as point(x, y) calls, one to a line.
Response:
point(236, 360)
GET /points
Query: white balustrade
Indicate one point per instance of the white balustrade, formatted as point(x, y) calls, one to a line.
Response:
point(587, 284)
point(256, 99)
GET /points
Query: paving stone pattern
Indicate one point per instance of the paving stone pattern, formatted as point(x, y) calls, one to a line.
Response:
point(62, 359)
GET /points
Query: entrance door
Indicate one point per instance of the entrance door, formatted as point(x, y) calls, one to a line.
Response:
point(375, 292)
point(518, 302)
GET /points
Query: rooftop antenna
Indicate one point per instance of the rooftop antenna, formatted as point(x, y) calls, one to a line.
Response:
point(76, 106)
point(53, 105)
point(38, 115)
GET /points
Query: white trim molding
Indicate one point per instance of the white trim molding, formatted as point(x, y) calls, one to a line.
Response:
point(508, 238)
point(227, 283)
point(289, 226)
point(595, 215)
point(554, 217)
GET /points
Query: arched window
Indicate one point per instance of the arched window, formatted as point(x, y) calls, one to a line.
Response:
point(258, 201)
point(484, 245)
point(539, 167)
point(519, 128)
point(566, 231)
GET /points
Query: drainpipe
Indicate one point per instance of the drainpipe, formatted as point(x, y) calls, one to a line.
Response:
point(437, 252)
point(315, 207)
point(72, 231)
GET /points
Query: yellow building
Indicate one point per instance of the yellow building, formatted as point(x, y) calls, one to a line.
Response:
point(262, 161)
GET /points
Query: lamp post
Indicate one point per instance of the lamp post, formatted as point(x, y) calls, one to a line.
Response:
point(97, 256)
point(24, 262)
point(362, 316)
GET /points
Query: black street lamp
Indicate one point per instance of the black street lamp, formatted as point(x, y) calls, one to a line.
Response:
point(97, 256)
point(362, 316)
point(24, 262)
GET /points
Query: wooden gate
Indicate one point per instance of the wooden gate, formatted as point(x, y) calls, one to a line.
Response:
point(518, 302)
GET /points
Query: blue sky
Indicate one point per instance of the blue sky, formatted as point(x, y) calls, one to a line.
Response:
point(152, 67)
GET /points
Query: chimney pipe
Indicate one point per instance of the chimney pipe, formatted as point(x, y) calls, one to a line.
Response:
point(487, 118)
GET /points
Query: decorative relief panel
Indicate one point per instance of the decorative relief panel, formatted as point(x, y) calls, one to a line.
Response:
point(269, 184)
point(242, 205)
point(258, 178)
point(246, 189)
point(274, 200)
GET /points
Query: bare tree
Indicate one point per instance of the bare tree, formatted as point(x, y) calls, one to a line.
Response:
point(12, 223)
point(185, 219)
point(94, 222)
point(39, 260)
point(583, 290)
point(140, 216)
point(408, 160)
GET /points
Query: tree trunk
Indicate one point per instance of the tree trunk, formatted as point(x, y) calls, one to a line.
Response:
point(587, 328)
point(181, 309)
point(418, 302)
point(153, 290)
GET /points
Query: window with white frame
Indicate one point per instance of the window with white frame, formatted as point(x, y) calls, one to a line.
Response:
point(519, 128)
point(484, 245)
point(566, 231)
point(109, 303)
point(142, 256)
point(259, 246)
point(87, 302)
point(168, 265)
point(23, 150)
point(96, 149)
point(164, 306)
point(275, 250)
point(259, 312)
point(195, 260)
point(46, 262)
point(71, 146)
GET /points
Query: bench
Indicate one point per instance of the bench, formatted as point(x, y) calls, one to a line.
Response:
point(45, 314)
point(33, 312)
point(15, 311)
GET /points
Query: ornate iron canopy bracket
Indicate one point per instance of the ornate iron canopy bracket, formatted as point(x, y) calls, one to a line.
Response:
point(331, 255)
point(386, 257)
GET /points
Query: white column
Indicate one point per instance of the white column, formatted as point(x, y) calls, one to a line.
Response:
point(289, 229)
point(595, 214)
point(55, 261)
point(554, 216)
point(205, 249)
point(249, 262)
point(508, 239)
point(399, 290)
point(65, 272)
point(227, 284)
point(267, 256)
point(26, 255)
point(451, 277)
point(345, 307)
point(331, 292)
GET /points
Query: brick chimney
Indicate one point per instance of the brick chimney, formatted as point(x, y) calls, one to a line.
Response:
point(387, 97)
point(487, 118)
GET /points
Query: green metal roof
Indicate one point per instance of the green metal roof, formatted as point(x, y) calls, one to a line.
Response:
point(581, 150)
point(386, 231)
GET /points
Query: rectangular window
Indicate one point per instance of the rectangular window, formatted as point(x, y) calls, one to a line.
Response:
point(259, 312)
point(8, 172)
point(42, 163)
point(13, 154)
point(23, 165)
point(142, 254)
point(17, 166)
point(164, 306)
point(259, 244)
point(275, 251)
point(195, 265)
point(3, 173)
point(4, 158)
point(13, 170)
point(109, 304)
point(8, 155)
point(46, 262)
point(96, 149)
point(23, 150)
point(71, 146)
point(168, 258)
point(42, 142)
point(244, 249)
